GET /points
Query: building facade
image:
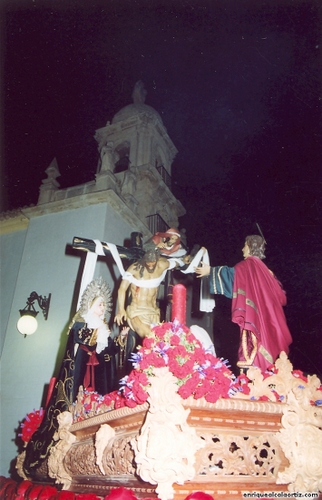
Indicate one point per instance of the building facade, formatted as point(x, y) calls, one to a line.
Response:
point(131, 192)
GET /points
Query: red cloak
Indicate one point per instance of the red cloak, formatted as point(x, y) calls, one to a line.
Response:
point(257, 307)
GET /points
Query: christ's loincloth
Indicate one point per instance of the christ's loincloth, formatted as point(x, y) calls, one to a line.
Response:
point(148, 315)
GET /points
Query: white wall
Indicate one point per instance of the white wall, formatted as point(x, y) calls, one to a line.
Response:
point(27, 364)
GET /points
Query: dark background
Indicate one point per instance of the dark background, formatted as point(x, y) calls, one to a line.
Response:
point(238, 86)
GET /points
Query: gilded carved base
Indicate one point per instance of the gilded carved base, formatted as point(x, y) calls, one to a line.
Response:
point(164, 451)
point(56, 463)
point(301, 441)
point(235, 446)
point(169, 447)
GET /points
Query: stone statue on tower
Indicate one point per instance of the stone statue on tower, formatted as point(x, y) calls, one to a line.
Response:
point(139, 93)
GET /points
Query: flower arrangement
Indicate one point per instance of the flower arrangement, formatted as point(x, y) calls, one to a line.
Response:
point(30, 424)
point(90, 403)
point(198, 373)
point(276, 382)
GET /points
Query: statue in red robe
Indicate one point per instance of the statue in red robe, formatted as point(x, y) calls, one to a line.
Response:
point(257, 305)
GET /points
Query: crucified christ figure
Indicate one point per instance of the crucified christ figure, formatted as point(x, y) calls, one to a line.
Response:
point(142, 281)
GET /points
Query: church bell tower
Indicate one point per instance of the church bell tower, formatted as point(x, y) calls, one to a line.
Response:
point(135, 160)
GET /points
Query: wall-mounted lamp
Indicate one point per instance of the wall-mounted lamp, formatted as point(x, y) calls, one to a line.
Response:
point(28, 324)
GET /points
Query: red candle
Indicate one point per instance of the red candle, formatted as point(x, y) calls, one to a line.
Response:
point(179, 304)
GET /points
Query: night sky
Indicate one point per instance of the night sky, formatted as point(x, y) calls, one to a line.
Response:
point(238, 86)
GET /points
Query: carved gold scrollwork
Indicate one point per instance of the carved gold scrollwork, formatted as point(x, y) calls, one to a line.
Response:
point(65, 439)
point(102, 438)
point(301, 441)
point(111, 457)
point(165, 449)
point(119, 459)
point(19, 465)
point(238, 455)
point(81, 459)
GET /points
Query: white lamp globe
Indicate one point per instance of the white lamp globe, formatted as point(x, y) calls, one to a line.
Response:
point(27, 325)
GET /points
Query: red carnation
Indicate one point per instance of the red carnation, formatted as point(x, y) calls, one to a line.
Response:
point(141, 377)
point(30, 424)
point(152, 359)
point(199, 356)
point(175, 340)
point(148, 342)
point(119, 402)
point(179, 370)
point(131, 403)
point(189, 386)
point(179, 351)
point(141, 396)
point(213, 395)
point(191, 338)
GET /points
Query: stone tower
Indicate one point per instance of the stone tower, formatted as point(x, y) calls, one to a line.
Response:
point(134, 168)
point(135, 159)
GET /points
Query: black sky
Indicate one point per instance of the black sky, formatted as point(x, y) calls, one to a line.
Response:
point(238, 86)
